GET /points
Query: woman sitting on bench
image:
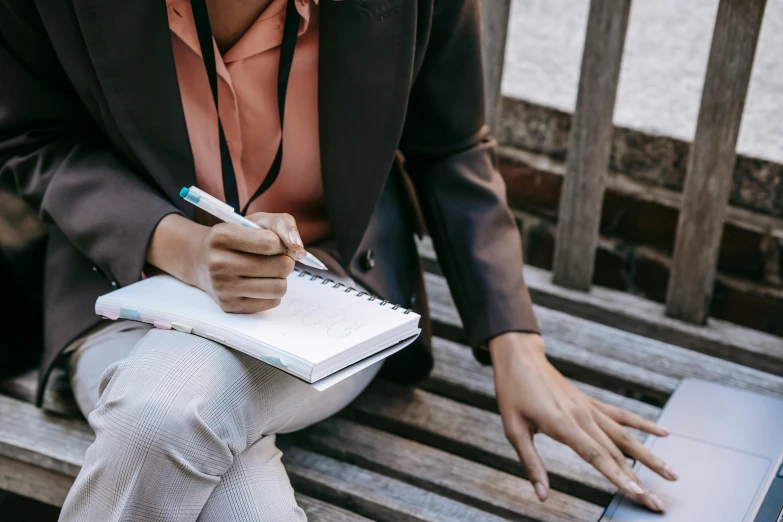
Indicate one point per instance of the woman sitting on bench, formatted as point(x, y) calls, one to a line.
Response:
point(108, 108)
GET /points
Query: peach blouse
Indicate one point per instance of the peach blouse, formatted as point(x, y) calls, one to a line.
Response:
point(247, 96)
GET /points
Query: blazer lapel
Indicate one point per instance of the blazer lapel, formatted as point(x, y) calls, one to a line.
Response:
point(364, 74)
point(130, 46)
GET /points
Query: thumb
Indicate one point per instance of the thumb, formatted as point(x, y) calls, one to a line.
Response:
point(284, 225)
point(521, 437)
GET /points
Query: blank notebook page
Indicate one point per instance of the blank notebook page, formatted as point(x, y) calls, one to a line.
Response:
point(314, 322)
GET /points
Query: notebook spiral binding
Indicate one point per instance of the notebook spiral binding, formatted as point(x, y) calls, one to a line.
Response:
point(349, 289)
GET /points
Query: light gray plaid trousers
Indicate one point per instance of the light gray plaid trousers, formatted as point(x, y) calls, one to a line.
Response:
point(185, 429)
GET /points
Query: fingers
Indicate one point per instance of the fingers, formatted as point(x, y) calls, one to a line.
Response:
point(647, 498)
point(248, 283)
point(633, 448)
point(284, 226)
point(626, 418)
point(227, 265)
point(228, 236)
point(520, 435)
point(244, 305)
point(597, 456)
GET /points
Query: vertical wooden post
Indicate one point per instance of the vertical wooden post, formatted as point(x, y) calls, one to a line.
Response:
point(712, 157)
point(494, 29)
point(589, 144)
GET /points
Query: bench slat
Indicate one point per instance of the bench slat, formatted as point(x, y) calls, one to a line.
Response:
point(589, 144)
point(51, 488)
point(457, 374)
point(474, 434)
point(475, 484)
point(646, 318)
point(34, 482)
point(41, 450)
point(709, 177)
point(374, 495)
point(652, 367)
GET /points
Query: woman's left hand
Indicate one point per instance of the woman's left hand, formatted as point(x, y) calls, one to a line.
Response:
point(533, 397)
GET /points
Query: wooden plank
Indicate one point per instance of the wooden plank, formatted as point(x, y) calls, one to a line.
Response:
point(318, 511)
point(34, 482)
point(474, 434)
point(31, 435)
point(646, 366)
point(474, 484)
point(458, 375)
point(52, 488)
point(370, 494)
point(48, 449)
point(646, 318)
point(57, 398)
point(589, 144)
point(494, 29)
point(711, 163)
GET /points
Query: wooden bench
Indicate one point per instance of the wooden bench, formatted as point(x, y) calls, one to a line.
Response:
point(432, 452)
point(437, 452)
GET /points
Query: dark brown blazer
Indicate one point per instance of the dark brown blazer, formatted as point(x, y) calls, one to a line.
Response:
point(92, 130)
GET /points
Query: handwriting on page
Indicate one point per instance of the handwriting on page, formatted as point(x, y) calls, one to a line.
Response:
point(337, 323)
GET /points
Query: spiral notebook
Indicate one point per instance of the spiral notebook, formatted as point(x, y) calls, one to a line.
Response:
point(321, 332)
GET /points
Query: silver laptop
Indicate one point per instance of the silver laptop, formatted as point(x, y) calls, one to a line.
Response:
point(727, 446)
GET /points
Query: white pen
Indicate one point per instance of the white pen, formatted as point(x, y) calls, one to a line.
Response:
point(225, 212)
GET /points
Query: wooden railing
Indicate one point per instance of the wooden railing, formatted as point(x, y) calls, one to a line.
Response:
point(712, 155)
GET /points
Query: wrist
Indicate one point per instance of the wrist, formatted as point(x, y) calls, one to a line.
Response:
point(517, 344)
point(175, 246)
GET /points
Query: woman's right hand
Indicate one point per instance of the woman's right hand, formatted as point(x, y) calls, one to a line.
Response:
point(243, 269)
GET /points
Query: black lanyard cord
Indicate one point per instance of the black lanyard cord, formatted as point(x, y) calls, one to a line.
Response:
point(290, 34)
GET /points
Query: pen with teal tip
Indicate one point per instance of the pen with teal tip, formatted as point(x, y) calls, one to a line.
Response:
point(226, 213)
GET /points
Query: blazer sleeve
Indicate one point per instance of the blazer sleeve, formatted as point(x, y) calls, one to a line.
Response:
point(61, 164)
point(452, 162)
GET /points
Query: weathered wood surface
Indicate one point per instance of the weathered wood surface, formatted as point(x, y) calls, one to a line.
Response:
point(437, 452)
point(589, 144)
point(374, 495)
point(475, 484)
point(457, 374)
point(49, 450)
point(646, 318)
point(474, 434)
point(711, 163)
point(494, 30)
point(33, 482)
point(610, 357)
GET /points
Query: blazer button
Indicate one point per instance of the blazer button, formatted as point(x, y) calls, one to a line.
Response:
point(114, 284)
point(368, 260)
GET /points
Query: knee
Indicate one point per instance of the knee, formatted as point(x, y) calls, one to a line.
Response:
point(166, 411)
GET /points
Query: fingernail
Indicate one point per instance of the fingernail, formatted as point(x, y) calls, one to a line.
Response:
point(633, 486)
point(540, 490)
point(671, 473)
point(295, 239)
point(658, 503)
point(299, 254)
point(665, 431)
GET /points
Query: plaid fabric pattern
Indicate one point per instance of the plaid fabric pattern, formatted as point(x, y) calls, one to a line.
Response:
point(185, 430)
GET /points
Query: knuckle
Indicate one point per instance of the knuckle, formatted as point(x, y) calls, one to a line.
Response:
point(227, 305)
point(219, 235)
point(217, 264)
point(282, 266)
point(626, 438)
point(267, 304)
point(288, 266)
point(512, 435)
point(592, 455)
point(279, 287)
